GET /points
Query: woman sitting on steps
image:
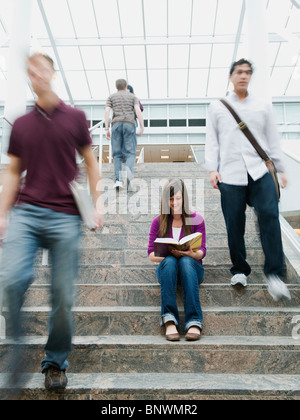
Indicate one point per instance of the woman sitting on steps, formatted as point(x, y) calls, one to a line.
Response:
point(176, 221)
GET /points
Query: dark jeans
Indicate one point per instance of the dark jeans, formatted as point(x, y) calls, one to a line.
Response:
point(191, 274)
point(261, 195)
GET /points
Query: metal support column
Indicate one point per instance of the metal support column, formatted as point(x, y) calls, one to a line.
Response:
point(258, 48)
point(15, 104)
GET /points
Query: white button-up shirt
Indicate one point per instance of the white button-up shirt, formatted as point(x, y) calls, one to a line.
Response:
point(228, 150)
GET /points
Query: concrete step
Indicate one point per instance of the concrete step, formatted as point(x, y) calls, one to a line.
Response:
point(148, 354)
point(215, 257)
point(158, 386)
point(129, 256)
point(140, 240)
point(218, 321)
point(93, 295)
point(141, 274)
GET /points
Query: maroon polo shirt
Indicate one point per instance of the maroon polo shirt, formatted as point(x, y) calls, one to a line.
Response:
point(46, 145)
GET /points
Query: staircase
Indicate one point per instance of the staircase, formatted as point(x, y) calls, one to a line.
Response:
point(246, 352)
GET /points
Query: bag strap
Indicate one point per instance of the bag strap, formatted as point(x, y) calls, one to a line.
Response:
point(244, 128)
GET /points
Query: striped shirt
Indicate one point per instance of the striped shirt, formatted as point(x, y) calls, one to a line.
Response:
point(122, 104)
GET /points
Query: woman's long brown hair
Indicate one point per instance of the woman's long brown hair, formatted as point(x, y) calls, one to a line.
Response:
point(166, 217)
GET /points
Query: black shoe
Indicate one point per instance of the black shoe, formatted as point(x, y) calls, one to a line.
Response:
point(55, 378)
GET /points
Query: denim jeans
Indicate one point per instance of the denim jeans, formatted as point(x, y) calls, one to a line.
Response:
point(32, 227)
point(190, 273)
point(261, 195)
point(124, 145)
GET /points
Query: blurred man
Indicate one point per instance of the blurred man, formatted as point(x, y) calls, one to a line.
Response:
point(126, 108)
point(44, 143)
point(242, 177)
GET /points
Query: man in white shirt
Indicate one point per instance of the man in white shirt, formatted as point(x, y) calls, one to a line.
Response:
point(242, 177)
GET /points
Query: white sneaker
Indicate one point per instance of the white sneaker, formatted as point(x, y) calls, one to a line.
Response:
point(277, 288)
point(118, 185)
point(239, 280)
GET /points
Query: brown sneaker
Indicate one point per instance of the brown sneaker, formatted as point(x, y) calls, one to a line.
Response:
point(55, 378)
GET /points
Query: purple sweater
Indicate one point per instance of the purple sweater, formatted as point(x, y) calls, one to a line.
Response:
point(198, 226)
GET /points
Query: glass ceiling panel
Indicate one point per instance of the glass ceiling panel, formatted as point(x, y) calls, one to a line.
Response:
point(59, 87)
point(218, 82)
point(6, 15)
point(203, 23)
point(287, 55)
point(279, 80)
point(180, 18)
point(114, 58)
point(70, 58)
point(138, 80)
point(178, 83)
point(157, 56)
point(57, 12)
point(222, 55)
point(200, 55)
point(135, 57)
point(78, 84)
point(165, 48)
point(158, 80)
point(178, 56)
point(131, 17)
point(98, 84)
point(228, 17)
point(278, 14)
point(156, 18)
point(114, 75)
point(83, 17)
point(38, 27)
point(92, 58)
point(108, 18)
point(294, 84)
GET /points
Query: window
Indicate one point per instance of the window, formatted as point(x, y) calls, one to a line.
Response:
point(177, 123)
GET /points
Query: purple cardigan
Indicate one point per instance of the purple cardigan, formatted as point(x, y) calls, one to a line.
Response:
point(197, 226)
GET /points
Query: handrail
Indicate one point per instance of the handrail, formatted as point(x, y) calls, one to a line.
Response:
point(100, 125)
point(2, 117)
point(194, 154)
point(295, 158)
point(141, 158)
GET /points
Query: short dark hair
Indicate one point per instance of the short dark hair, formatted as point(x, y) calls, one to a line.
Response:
point(240, 63)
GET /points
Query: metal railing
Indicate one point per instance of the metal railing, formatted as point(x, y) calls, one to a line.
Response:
point(100, 126)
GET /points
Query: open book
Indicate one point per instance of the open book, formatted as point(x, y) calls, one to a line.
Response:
point(164, 246)
point(84, 204)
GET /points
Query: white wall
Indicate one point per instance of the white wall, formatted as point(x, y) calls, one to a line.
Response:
point(290, 200)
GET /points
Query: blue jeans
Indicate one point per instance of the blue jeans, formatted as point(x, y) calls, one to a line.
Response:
point(261, 195)
point(32, 227)
point(124, 145)
point(190, 273)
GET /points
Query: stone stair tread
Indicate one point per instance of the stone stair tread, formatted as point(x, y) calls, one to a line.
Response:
point(232, 309)
point(148, 294)
point(151, 385)
point(150, 285)
point(243, 342)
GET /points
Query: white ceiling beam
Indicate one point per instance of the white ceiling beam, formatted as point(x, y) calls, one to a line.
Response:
point(195, 40)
